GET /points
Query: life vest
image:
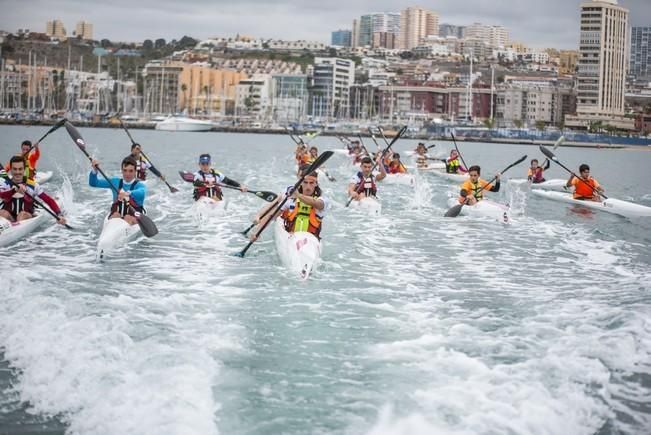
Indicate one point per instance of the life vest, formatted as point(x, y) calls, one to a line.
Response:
point(302, 218)
point(581, 189)
point(23, 203)
point(141, 169)
point(367, 185)
point(396, 168)
point(213, 191)
point(536, 177)
point(452, 166)
point(475, 189)
point(122, 207)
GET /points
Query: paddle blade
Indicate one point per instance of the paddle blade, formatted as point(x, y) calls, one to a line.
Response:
point(559, 141)
point(187, 176)
point(267, 196)
point(76, 137)
point(173, 189)
point(550, 155)
point(454, 211)
point(147, 225)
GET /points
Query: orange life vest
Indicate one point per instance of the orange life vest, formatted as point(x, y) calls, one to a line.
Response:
point(302, 218)
point(581, 189)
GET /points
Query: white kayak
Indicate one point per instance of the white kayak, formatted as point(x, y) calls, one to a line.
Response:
point(485, 208)
point(457, 178)
point(11, 232)
point(370, 205)
point(205, 208)
point(116, 233)
point(431, 166)
point(553, 184)
point(404, 178)
point(300, 252)
point(610, 205)
point(43, 176)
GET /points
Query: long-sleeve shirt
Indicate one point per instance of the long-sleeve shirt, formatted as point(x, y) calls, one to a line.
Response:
point(138, 192)
point(32, 189)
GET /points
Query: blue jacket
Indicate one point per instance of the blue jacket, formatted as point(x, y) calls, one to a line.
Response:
point(138, 193)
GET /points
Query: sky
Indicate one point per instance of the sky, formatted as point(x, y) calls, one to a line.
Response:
point(537, 23)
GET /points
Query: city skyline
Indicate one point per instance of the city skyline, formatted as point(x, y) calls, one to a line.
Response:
point(556, 23)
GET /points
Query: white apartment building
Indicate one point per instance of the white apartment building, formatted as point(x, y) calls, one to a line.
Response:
point(602, 65)
point(253, 96)
point(332, 78)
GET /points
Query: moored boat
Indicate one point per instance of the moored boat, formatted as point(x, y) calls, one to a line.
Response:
point(610, 205)
point(299, 252)
point(175, 123)
point(116, 233)
point(11, 232)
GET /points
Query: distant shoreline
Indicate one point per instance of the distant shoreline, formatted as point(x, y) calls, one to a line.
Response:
point(422, 137)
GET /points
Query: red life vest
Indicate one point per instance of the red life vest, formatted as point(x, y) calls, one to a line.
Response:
point(122, 207)
point(16, 205)
point(208, 191)
point(537, 176)
point(366, 185)
point(141, 169)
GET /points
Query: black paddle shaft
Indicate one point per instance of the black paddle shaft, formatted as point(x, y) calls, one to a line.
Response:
point(551, 156)
point(313, 167)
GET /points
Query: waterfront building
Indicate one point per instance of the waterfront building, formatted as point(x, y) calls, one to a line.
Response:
point(332, 78)
point(602, 66)
point(289, 98)
point(205, 90)
point(253, 97)
point(568, 60)
point(640, 67)
point(415, 24)
point(341, 38)
point(161, 87)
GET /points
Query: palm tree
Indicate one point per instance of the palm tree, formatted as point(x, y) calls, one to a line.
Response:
point(184, 89)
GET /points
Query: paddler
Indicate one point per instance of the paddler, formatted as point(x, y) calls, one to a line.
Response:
point(585, 187)
point(142, 164)
point(421, 156)
point(364, 183)
point(472, 189)
point(303, 211)
point(536, 173)
point(130, 199)
point(396, 166)
point(17, 196)
point(207, 181)
point(314, 153)
point(30, 155)
point(453, 165)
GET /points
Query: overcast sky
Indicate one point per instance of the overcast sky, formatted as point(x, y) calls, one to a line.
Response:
point(537, 23)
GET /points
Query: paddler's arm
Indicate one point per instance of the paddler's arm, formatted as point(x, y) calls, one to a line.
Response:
point(230, 182)
point(495, 187)
point(94, 181)
point(547, 164)
point(569, 181)
point(317, 203)
point(352, 190)
point(383, 172)
point(155, 171)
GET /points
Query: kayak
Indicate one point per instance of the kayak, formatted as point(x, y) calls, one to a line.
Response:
point(370, 205)
point(11, 232)
point(204, 208)
point(457, 178)
point(43, 176)
point(404, 178)
point(553, 184)
point(610, 205)
point(115, 234)
point(485, 208)
point(299, 252)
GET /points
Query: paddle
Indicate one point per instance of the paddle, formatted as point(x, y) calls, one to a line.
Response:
point(262, 194)
point(552, 157)
point(395, 139)
point(144, 222)
point(39, 203)
point(456, 209)
point(301, 141)
point(458, 152)
point(313, 167)
point(387, 142)
point(51, 130)
point(159, 175)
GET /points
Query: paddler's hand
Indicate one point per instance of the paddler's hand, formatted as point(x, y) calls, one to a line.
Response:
point(124, 195)
point(243, 188)
point(498, 176)
point(253, 237)
point(95, 164)
point(354, 195)
point(21, 188)
point(61, 220)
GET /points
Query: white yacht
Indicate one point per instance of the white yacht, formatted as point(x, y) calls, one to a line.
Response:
point(177, 123)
